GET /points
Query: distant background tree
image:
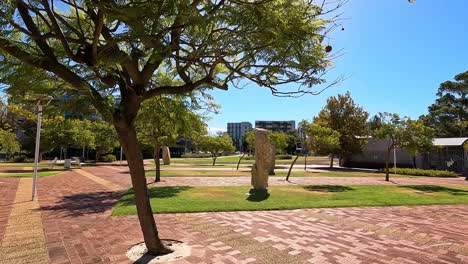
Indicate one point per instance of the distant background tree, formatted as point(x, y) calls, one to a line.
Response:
point(9, 144)
point(162, 120)
point(322, 140)
point(105, 139)
point(216, 145)
point(417, 138)
point(343, 115)
point(391, 128)
point(115, 49)
point(85, 138)
point(249, 140)
point(449, 114)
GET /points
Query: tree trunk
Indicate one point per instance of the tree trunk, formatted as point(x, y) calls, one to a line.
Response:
point(128, 139)
point(387, 174)
point(238, 163)
point(331, 160)
point(157, 150)
point(290, 168)
point(305, 161)
point(214, 160)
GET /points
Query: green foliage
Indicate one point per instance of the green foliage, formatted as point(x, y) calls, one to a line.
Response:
point(142, 44)
point(449, 114)
point(106, 139)
point(322, 140)
point(417, 137)
point(162, 120)
point(196, 155)
point(283, 157)
point(428, 173)
point(250, 140)
point(278, 139)
point(107, 158)
point(9, 144)
point(391, 127)
point(343, 115)
point(21, 159)
point(216, 144)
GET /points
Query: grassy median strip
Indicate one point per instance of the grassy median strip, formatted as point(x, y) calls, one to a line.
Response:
point(235, 173)
point(236, 198)
point(30, 174)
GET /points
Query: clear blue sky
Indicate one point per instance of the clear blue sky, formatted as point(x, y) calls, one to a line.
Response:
point(396, 55)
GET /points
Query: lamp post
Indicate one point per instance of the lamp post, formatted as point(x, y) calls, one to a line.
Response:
point(38, 141)
point(394, 159)
point(121, 152)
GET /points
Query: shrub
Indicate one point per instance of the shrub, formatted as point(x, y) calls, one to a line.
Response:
point(107, 158)
point(21, 159)
point(283, 157)
point(421, 172)
point(196, 155)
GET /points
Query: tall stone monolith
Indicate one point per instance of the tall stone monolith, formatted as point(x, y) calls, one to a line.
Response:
point(271, 169)
point(166, 155)
point(262, 162)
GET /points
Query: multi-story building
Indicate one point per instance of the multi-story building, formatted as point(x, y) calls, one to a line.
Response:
point(237, 132)
point(277, 126)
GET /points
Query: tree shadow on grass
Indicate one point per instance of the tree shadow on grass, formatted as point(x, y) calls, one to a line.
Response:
point(435, 188)
point(156, 192)
point(327, 188)
point(84, 204)
point(257, 197)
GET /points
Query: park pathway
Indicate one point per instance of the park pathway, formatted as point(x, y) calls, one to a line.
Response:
point(76, 208)
point(23, 240)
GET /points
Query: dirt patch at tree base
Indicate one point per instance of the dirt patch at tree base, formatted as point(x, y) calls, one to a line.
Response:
point(137, 253)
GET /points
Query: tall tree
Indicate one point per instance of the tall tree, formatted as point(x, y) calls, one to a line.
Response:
point(449, 114)
point(162, 120)
point(343, 115)
point(105, 49)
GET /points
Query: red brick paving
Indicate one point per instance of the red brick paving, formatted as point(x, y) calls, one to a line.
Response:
point(119, 175)
point(79, 229)
point(8, 188)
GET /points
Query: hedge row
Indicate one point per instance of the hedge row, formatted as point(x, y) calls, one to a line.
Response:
point(421, 172)
point(196, 155)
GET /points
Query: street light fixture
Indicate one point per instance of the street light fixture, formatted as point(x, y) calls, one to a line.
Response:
point(38, 140)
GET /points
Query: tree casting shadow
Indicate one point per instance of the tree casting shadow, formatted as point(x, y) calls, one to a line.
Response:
point(435, 188)
point(327, 188)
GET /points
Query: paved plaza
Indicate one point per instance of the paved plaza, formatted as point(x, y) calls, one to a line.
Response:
point(76, 227)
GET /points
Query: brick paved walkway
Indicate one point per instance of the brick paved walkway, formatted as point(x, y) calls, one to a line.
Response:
point(121, 177)
point(8, 188)
point(79, 229)
point(23, 240)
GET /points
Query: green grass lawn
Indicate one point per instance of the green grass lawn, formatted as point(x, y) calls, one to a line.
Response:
point(236, 198)
point(26, 164)
point(30, 174)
